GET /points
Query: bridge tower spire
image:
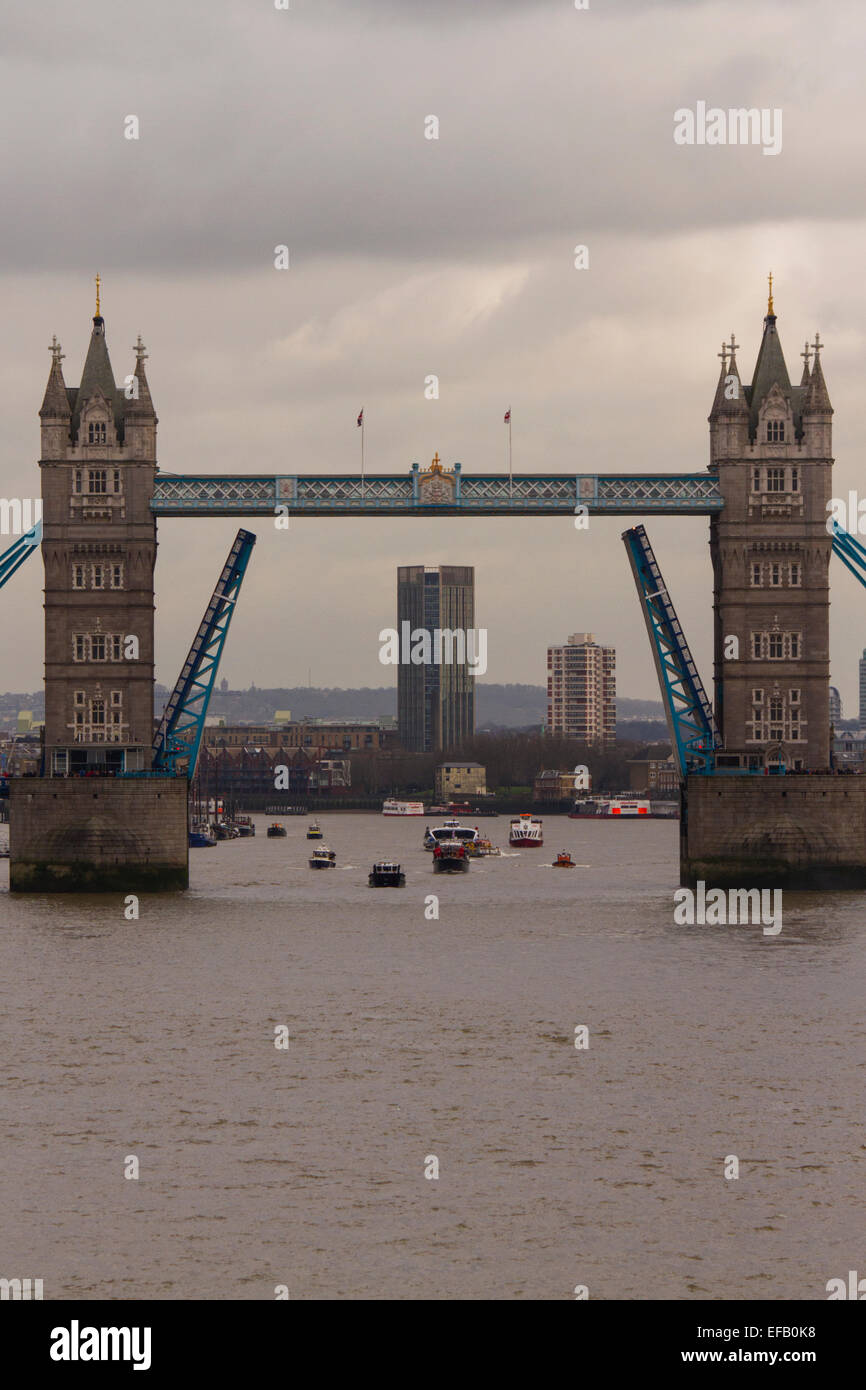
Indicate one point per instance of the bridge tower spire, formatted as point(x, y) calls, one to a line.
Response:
point(98, 466)
point(771, 551)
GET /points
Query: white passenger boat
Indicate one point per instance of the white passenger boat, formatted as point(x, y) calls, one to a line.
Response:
point(526, 830)
point(449, 830)
point(403, 808)
point(627, 809)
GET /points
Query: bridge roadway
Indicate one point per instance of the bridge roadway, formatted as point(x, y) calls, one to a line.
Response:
point(449, 493)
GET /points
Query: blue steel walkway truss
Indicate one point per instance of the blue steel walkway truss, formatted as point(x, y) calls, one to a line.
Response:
point(694, 735)
point(178, 739)
point(452, 493)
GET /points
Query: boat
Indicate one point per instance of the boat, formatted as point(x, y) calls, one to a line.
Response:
point(244, 826)
point(626, 808)
point(276, 830)
point(314, 831)
point(402, 808)
point(323, 858)
point(286, 811)
point(481, 848)
point(385, 874)
point(450, 857)
point(450, 830)
point(201, 837)
point(564, 860)
point(526, 830)
point(221, 830)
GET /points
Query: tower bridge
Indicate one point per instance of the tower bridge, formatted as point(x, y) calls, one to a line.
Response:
point(438, 492)
point(765, 492)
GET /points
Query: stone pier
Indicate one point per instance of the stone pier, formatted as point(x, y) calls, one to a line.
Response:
point(98, 834)
point(774, 831)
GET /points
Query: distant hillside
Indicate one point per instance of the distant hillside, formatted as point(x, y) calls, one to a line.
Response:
point(496, 706)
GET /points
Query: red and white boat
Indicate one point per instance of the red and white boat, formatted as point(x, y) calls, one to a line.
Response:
point(403, 808)
point(627, 809)
point(526, 830)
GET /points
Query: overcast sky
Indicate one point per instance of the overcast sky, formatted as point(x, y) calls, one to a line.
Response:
point(411, 257)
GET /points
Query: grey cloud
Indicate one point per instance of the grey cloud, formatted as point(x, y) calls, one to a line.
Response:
point(306, 128)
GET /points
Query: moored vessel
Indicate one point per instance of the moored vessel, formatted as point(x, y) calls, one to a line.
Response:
point(627, 808)
point(402, 808)
point(526, 831)
point(201, 837)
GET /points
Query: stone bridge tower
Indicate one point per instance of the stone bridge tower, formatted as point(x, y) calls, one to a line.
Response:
point(98, 464)
point(770, 444)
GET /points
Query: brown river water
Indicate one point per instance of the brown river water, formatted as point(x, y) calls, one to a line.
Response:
point(411, 1039)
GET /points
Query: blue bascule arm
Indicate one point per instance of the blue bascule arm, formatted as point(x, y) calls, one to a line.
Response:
point(13, 558)
point(178, 739)
point(850, 552)
point(692, 725)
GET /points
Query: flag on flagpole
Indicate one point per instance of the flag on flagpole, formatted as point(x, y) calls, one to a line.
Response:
point(508, 416)
point(361, 417)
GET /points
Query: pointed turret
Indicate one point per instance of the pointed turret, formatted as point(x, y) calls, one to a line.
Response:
point(97, 376)
point(55, 403)
point(140, 417)
point(719, 397)
point(730, 413)
point(735, 402)
point(817, 398)
point(55, 412)
point(770, 368)
point(139, 403)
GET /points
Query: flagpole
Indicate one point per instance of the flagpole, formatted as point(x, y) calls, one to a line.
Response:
point(363, 427)
point(510, 472)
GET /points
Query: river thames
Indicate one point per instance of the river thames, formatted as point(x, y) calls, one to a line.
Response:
point(413, 1038)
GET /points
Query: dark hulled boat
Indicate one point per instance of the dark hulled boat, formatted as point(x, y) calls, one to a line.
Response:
point(387, 875)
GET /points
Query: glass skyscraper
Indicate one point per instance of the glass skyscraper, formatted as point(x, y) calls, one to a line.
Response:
point(435, 700)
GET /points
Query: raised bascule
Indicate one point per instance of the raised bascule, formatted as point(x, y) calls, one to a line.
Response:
point(760, 802)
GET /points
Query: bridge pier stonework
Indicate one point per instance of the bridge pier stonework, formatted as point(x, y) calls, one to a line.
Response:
point(86, 835)
point(86, 824)
point(797, 832)
point(771, 448)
